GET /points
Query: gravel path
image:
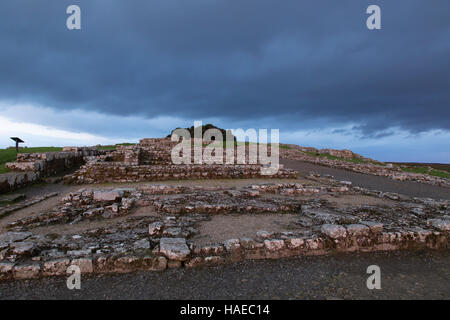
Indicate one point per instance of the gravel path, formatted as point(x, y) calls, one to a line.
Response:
point(372, 182)
point(404, 275)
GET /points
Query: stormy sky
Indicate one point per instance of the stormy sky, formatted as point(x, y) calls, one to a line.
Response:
point(309, 68)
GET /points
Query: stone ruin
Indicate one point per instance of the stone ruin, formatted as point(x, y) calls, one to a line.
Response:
point(32, 167)
point(150, 160)
point(164, 239)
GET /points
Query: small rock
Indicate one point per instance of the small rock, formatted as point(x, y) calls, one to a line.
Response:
point(85, 264)
point(26, 271)
point(333, 231)
point(274, 245)
point(155, 228)
point(443, 225)
point(174, 248)
point(21, 248)
point(358, 230)
point(232, 244)
point(142, 244)
point(262, 234)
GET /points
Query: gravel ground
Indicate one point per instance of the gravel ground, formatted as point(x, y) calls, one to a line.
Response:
point(404, 275)
point(368, 181)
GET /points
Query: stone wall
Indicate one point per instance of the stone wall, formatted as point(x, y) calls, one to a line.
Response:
point(31, 167)
point(178, 252)
point(150, 160)
point(102, 172)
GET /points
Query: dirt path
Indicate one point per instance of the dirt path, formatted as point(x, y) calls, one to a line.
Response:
point(368, 181)
point(404, 275)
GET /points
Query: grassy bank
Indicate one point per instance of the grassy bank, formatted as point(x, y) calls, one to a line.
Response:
point(427, 170)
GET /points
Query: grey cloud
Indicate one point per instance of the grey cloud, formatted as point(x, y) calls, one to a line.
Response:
point(296, 62)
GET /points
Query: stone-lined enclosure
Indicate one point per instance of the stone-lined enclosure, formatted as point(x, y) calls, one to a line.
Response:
point(166, 232)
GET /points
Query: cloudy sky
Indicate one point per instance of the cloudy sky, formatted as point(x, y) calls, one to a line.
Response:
point(309, 68)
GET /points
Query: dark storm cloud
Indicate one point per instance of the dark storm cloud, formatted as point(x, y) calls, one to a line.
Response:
point(295, 61)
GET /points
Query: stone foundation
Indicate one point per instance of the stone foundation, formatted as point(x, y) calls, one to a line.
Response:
point(102, 172)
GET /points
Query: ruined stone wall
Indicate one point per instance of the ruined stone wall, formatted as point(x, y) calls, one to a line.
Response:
point(101, 172)
point(31, 167)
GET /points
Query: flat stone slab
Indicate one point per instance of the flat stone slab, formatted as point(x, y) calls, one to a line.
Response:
point(174, 248)
point(108, 195)
point(10, 237)
point(334, 231)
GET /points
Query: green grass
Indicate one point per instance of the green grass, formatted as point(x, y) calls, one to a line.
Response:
point(114, 147)
point(426, 170)
point(324, 155)
point(9, 155)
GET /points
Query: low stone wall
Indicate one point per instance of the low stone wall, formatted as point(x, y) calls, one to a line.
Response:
point(51, 163)
point(31, 167)
point(101, 172)
point(177, 252)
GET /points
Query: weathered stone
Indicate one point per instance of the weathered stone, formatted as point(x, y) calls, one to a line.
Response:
point(172, 232)
point(232, 244)
point(213, 260)
point(108, 195)
point(55, 267)
point(155, 228)
point(142, 244)
point(250, 244)
point(375, 227)
point(10, 237)
point(27, 271)
point(443, 225)
point(174, 248)
point(274, 245)
point(294, 243)
point(21, 248)
point(79, 253)
point(6, 269)
point(85, 264)
point(194, 262)
point(262, 234)
point(333, 231)
point(357, 230)
point(158, 264)
point(212, 249)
